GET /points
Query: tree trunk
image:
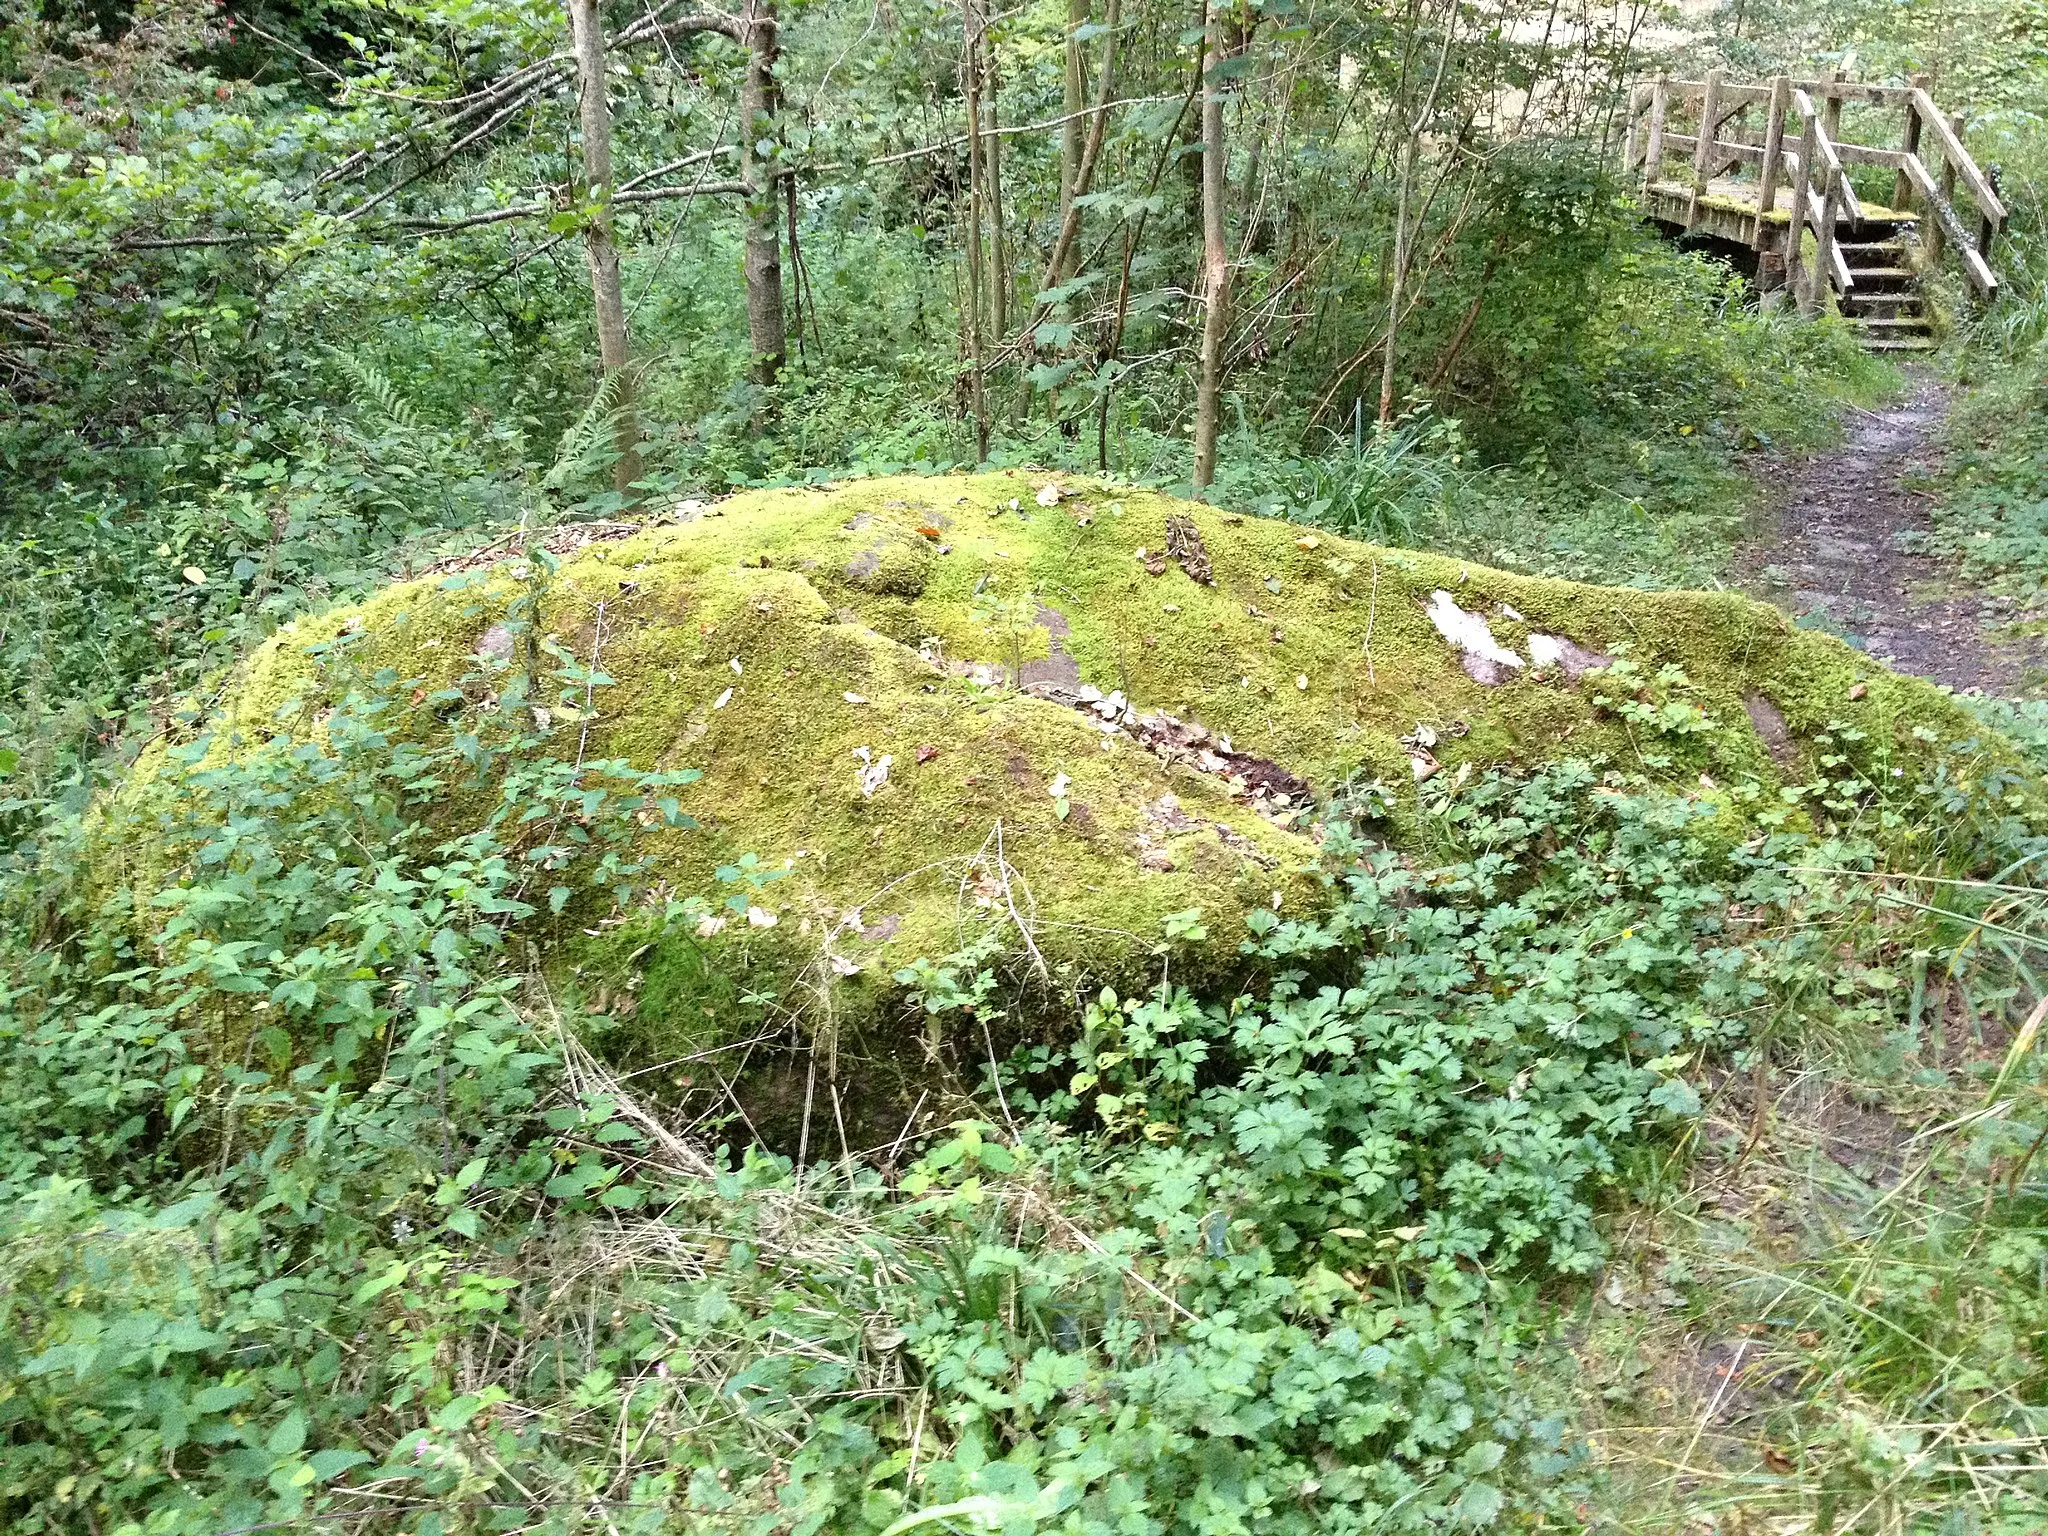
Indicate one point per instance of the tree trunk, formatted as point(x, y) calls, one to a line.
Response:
point(614, 348)
point(992, 148)
point(1410, 153)
point(767, 330)
point(1215, 252)
point(1070, 128)
point(971, 311)
point(1060, 266)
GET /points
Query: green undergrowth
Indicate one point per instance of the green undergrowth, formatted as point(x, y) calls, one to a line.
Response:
point(1992, 513)
point(1836, 1319)
point(1293, 1254)
point(840, 666)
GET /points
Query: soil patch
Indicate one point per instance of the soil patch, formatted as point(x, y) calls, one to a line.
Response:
point(1829, 553)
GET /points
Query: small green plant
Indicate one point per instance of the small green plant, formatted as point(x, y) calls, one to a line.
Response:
point(1655, 702)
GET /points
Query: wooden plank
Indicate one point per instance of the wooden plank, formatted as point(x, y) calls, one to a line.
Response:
point(1795, 233)
point(1653, 151)
point(1774, 148)
point(1829, 163)
point(1729, 141)
point(1730, 93)
point(1703, 153)
point(1727, 149)
point(1948, 191)
point(1987, 227)
point(1946, 220)
point(1845, 90)
point(1988, 203)
point(1829, 261)
point(1638, 97)
point(1909, 141)
point(1863, 154)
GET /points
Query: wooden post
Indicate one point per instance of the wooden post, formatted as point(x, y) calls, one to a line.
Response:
point(1987, 227)
point(1636, 100)
point(1653, 152)
point(1795, 235)
point(1703, 155)
point(1824, 256)
point(1831, 113)
point(1938, 238)
point(1902, 184)
point(1774, 151)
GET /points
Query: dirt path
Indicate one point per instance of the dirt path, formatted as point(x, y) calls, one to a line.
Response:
point(1827, 551)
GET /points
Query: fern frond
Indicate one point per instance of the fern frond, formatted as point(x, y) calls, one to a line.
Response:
point(373, 387)
point(584, 434)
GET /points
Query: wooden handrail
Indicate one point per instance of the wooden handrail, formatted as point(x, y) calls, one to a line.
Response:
point(1834, 90)
point(1981, 189)
point(1982, 278)
point(1830, 158)
point(1813, 168)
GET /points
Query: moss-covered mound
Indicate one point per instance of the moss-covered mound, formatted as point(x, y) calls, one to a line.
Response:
point(944, 706)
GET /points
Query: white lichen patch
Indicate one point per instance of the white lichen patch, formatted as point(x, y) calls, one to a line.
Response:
point(1482, 656)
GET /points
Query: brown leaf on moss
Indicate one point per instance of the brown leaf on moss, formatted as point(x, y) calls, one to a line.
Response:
point(1184, 543)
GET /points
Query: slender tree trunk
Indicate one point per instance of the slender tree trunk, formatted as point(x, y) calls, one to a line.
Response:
point(999, 244)
point(1070, 128)
point(1059, 267)
point(1133, 235)
point(767, 329)
point(971, 311)
point(1410, 153)
point(614, 347)
point(1215, 251)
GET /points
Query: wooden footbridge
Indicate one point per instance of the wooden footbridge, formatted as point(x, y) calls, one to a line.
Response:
point(1768, 167)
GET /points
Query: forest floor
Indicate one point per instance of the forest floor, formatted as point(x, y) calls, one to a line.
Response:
point(1828, 549)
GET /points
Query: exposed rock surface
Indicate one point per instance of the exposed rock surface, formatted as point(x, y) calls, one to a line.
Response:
point(842, 666)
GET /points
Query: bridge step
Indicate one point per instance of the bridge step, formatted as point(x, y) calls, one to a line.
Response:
point(1861, 304)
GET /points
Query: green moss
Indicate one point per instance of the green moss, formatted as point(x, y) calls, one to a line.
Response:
point(784, 634)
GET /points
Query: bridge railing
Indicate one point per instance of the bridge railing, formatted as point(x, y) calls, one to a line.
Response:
point(1814, 174)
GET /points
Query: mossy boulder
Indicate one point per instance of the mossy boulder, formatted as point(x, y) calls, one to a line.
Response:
point(1067, 711)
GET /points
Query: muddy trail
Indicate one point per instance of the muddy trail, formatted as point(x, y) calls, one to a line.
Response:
point(1828, 551)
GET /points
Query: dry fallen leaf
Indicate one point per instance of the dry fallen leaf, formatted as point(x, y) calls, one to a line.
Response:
point(1048, 495)
point(1301, 681)
point(926, 753)
point(195, 575)
point(761, 917)
point(853, 698)
point(722, 700)
point(735, 665)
